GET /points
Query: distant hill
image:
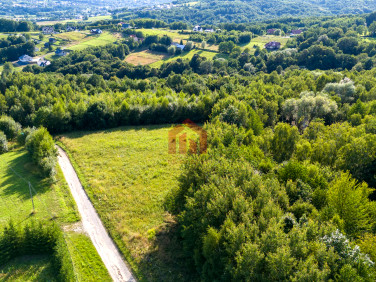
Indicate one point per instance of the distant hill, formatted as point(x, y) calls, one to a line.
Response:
point(240, 11)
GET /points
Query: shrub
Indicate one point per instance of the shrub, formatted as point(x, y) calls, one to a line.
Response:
point(10, 128)
point(42, 150)
point(3, 143)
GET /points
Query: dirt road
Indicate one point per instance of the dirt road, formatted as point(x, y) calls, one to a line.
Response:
point(93, 225)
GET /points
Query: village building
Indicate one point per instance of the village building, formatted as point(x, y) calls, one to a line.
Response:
point(43, 63)
point(271, 31)
point(96, 31)
point(61, 53)
point(48, 30)
point(71, 28)
point(135, 38)
point(25, 59)
point(296, 32)
point(209, 30)
point(273, 45)
point(197, 28)
point(180, 46)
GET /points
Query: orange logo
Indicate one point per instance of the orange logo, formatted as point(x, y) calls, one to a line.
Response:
point(186, 132)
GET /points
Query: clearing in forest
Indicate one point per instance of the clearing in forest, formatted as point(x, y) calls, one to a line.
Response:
point(127, 173)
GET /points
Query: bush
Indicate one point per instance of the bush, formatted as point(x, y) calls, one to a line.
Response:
point(10, 128)
point(42, 150)
point(3, 143)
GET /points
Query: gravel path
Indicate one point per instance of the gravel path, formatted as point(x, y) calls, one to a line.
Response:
point(93, 225)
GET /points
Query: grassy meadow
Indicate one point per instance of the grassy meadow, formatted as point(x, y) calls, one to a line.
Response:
point(95, 40)
point(52, 201)
point(145, 57)
point(127, 172)
point(188, 56)
point(262, 40)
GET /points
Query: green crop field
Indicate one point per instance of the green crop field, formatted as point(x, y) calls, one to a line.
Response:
point(188, 56)
point(127, 172)
point(95, 40)
point(51, 201)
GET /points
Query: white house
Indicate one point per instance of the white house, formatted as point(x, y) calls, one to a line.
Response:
point(96, 31)
point(197, 28)
point(43, 63)
point(178, 46)
point(209, 30)
point(25, 59)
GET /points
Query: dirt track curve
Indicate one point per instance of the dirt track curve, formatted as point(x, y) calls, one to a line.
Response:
point(92, 224)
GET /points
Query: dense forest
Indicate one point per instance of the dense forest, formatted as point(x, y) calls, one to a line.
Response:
point(242, 11)
point(286, 188)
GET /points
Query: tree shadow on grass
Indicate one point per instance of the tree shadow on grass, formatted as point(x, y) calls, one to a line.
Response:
point(80, 134)
point(35, 268)
point(18, 173)
point(166, 260)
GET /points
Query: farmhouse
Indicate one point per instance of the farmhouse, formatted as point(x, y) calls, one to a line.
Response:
point(48, 30)
point(71, 28)
point(25, 59)
point(61, 53)
point(209, 30)
point(273, 45)
point(197, 28)
point(96, 31)
point(180, 46)
point(124, 25)
point(135, 38)
point(271, 31)
point(43, 63)
point(296, 32)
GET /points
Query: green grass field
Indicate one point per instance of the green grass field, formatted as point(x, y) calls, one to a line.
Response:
point(127, 172)
point(172, 33)
point(52, 201)
point(95, 40)
point(262, 40)
point(188, 56)
point(71, 36)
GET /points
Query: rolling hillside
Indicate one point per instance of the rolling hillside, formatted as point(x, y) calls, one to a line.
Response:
point(240, 11)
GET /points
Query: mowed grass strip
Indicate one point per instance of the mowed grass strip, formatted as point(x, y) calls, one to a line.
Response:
point(127, 173)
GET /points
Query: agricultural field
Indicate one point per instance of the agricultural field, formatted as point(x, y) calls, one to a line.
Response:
point(52, 201)
point(188, 56)
point(71, 36)
point(145, 57)
point(262, 40)
point(127, 172)
point(95, 40)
